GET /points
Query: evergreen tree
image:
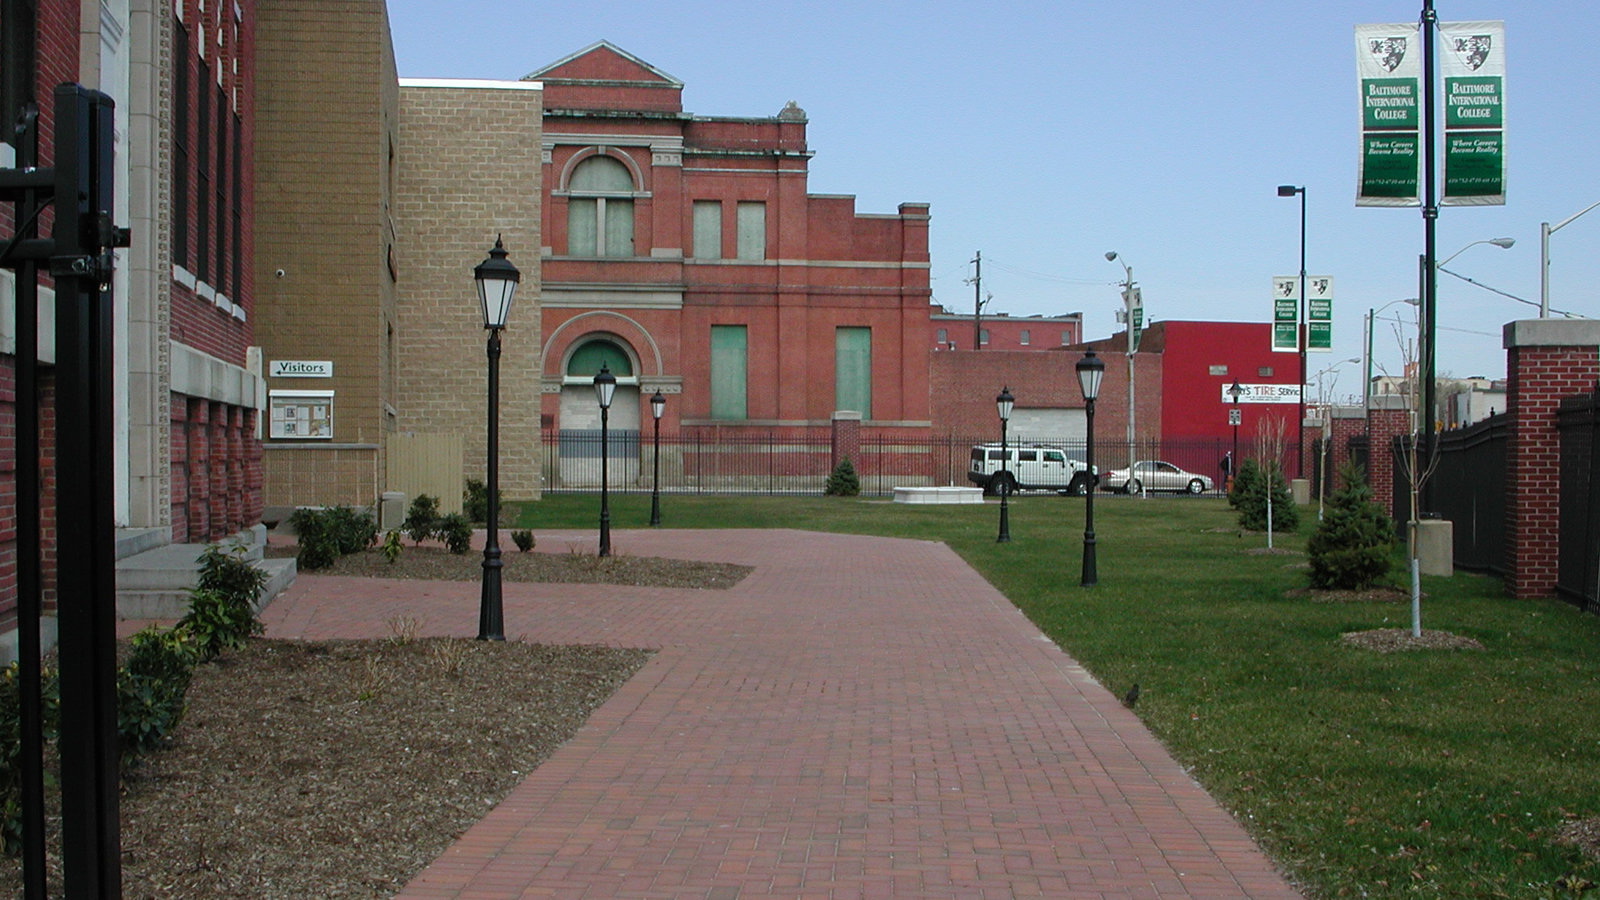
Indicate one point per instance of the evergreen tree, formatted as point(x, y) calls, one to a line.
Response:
point(1353, 545)
point(1243, 481)
point(842, 481)
point(1253, 501)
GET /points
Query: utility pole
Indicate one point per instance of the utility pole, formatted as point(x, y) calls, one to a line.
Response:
point(1130, 300)
point(977, 300)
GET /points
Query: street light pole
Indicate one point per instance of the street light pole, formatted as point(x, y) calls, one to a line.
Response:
point(1090, 370)
point(497, 282)
point(1289, 190)
point(1545, 230)
point(605, 385)
point(1003, 404)
point(1235, 391)
point(1128, 296)
point(658, 405)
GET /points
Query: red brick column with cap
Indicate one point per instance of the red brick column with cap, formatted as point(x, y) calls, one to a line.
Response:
point(847, 437)
point(1547, 360)
point(1388, 417)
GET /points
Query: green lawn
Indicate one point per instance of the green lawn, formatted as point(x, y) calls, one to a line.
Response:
point(1421, 774)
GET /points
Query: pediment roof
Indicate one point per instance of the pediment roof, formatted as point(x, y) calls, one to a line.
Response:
point(602, 63)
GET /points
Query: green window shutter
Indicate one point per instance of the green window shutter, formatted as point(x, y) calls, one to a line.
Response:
point(852, 370)
point(752, 231)
point(581, 238)
point(728, 348)
point(707, 229)
point(619, 227)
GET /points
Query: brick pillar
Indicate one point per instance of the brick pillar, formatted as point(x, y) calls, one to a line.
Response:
point(847, 437)
point(254, 477)
point(1348, 422)
point(178, 421)
point(199, 471)
point(1388, 417)
point(1546, 361)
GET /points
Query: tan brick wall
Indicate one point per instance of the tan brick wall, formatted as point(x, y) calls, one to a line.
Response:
point(469, 169)
point(328, 109)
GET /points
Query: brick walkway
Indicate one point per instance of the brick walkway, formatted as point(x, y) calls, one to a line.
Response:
point(860, 718)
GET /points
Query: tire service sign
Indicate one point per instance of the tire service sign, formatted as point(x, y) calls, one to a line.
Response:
point(1389, 68)
point(1473, 59)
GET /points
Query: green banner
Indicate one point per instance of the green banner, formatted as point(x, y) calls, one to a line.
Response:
point(1389, 75)
point(1389, 103)
point(1319, 310)
point(1319, 336)
point(1389, 168)
point(1472, 61)
point(1283, 338)
point(1474, 164)
point(1285, 310)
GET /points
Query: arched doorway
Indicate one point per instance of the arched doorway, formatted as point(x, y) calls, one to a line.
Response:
point(579, 421)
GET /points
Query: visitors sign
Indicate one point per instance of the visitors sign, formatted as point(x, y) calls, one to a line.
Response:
point(1473, 62)
point(1389, 70)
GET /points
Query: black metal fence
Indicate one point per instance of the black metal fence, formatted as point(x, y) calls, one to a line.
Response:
point(1578, 574)
point(1468, 487)
point(792, 462)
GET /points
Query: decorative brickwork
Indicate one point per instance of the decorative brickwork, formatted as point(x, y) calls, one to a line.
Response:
point(1547, 360)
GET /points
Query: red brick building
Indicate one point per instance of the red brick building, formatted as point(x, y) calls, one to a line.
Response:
point(1000, 331)
point(685, 253)
point(186, 389)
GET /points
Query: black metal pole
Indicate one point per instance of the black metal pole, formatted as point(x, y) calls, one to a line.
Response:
point(1300, 419)
point(1233, 461)
point(86, 579)
point(1430, 275)
point(1091, 574)
point(655, 478)
point(605, 482)
point(1005, 489)
point(491, 610)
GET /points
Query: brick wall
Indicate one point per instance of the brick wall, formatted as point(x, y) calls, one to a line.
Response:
point(1346, 424)
point(1388, 418)
point(1546, 361)
point(964, 384)
point(468, 170)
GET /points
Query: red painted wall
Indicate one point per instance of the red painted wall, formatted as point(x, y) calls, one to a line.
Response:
point(1191, 395)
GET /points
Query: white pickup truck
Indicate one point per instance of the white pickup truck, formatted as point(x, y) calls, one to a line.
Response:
point(1027, 468)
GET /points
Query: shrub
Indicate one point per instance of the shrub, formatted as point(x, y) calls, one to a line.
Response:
point(151, 687)
point(353, 531)
point(456, 532)
point(1253, 502)
point(1352, 546)
point(422, 518)
point(391, 546)
point(842, 481)
point(222, 612)
point(229, 572)
point(11, 746)
point(475, 500)
point(523, 539)
point(319, 544)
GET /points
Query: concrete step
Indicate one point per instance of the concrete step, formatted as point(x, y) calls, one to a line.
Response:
point(155, 583)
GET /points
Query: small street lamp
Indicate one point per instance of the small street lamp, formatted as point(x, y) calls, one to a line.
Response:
point(605, 385)
point(658, 405)
point(497, 282)
point(1003, 403)
point(1090, 371)
point(1235, 391)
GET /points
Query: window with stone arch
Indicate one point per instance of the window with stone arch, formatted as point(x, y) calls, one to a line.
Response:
point(600, 208)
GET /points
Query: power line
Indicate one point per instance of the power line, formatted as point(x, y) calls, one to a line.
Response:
point(1504, 294)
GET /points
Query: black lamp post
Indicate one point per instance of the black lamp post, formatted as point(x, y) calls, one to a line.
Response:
point(605, 385)
point(658, 405)
point(1289, 190)
point(1090, 371)
point(497, 281)
point(1235, 391)
point(1003, 403)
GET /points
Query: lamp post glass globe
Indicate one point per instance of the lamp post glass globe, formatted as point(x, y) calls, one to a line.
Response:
point(497, 282)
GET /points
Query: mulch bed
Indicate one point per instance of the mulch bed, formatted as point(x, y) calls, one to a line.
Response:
point(1369, 595)
point(1583, 834)
point(1394, 640)
point(438, 564)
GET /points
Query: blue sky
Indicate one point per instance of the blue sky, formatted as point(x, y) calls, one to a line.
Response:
point(1045, 134)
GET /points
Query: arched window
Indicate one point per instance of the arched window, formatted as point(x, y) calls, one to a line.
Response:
point(600, 209)
point(586, 360)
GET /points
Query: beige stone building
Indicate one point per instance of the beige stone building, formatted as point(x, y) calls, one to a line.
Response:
point(375, 198)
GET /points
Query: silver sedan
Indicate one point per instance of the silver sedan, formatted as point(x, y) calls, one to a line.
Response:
point(1154, 475)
